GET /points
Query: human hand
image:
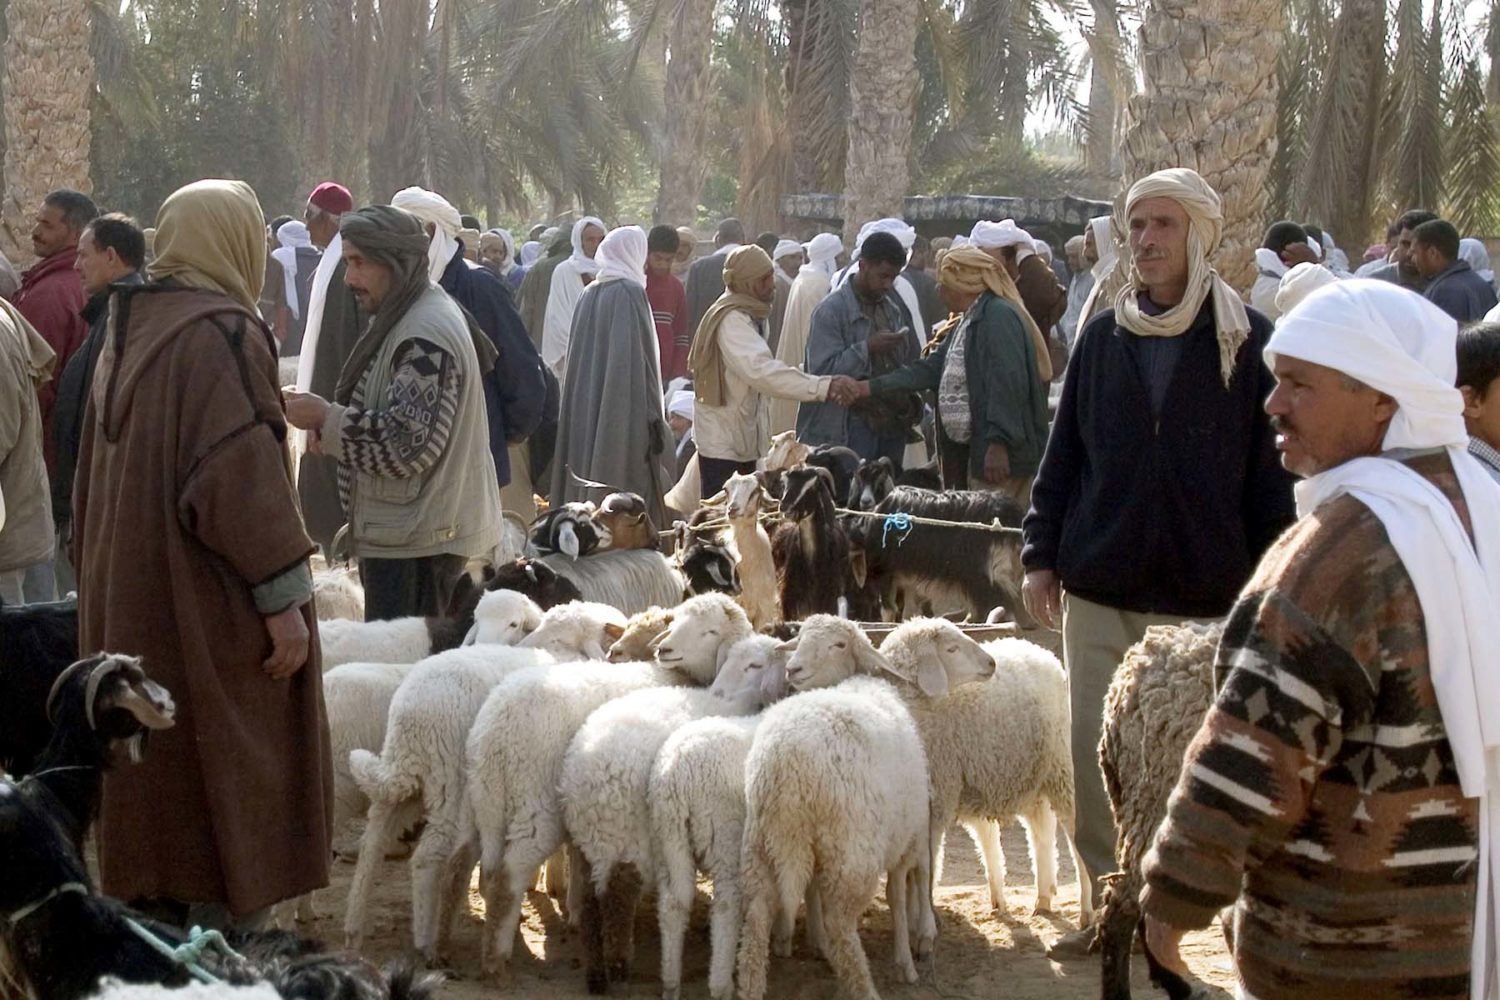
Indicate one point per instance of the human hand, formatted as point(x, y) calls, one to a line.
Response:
point(1041, 592)
point(996, 464)
point(289, 643)
point(306, 411)
point(846, 391)
point(1298, 253)
point(885, 343)
point(1164, 942)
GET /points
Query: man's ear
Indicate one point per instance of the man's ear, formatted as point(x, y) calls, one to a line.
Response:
point(1472, 402)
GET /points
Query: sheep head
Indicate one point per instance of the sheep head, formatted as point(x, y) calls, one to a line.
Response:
point(633, 644)
point(753, 674)
point(579, 629)
point(703, 630)
point(743, 497)
point(936, 656)
point(786, 451)
point(828, 651)
point(503, 618)
point(111, 696)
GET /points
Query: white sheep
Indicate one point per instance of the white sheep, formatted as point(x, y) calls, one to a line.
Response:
point(836, 794)
point(501, 617)
point(338, 593)
point(603, 787)
point(743, 500)
point(995, 749)
point(518, 742)
point(696, 796)
point(581, 627)
point(422, 760)
point(631, 580)
point(114, 989)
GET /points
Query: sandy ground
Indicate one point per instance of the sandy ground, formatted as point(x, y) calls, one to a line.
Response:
point(980, 953)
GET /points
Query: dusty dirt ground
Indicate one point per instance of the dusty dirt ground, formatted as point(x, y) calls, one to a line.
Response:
point(980, 954)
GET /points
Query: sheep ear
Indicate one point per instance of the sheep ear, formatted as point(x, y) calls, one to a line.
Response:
point(870, 660)
point(472, 636)
point(789, 647)
point(932, 679)
point(773, 683)
point(613, 631)
point(721, 657)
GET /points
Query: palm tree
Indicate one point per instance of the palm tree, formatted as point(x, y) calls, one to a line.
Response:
point(882, 100)
point(1108, 87)
point(49, 80)
point(689, 78)
point(1209, 102)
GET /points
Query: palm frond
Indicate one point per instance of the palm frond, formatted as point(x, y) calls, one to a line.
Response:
point(1473, 155)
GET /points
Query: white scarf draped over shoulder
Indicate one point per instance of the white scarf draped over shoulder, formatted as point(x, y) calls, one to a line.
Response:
point(435, 210)
point(291, 236)
point(1404, 346)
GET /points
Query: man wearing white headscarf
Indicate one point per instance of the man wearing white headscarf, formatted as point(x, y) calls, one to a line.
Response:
point(569, 280)
point(1099, 250)
point(497, 251)
point(299, 261)
point(904, 289)
point(1300, 282)
point(788, 258)
point(1343, 793)
point(1284, 246)
point(1478, 257)
point(1081, 261)
point(811, 286)
point(1160, 488)
point(612, 430)
point(1045, 299)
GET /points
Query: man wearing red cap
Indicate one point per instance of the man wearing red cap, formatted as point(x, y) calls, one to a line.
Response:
point(333, 325)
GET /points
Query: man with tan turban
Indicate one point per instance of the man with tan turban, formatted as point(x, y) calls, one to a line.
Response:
point(1160, 488)
point(191, 554)
point(733, 370)
point(988, 372)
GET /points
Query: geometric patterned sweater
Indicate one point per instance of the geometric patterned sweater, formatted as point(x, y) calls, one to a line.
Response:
point(1320, 797)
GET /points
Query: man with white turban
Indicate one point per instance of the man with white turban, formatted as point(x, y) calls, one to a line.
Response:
point(1343, 793)
point(1284, 246)
point(1082, 283)
point(1160, 488)
point(569, 280)
point(1300, 282)
point(299, 260)
point(788, 257)
point(1046, 300)
point(1099, 251)
point(536, 287)
point(811, 286)
point(497, 251)
point(612, 433)
point(904, 289)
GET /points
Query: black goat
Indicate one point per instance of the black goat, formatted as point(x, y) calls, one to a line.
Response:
point(841, 463)
point(872, 483)
point(533, 578)
point(37, 643)
point(810, 548)
point(927, 477)
point(704, 558)
point(569, 528)
point(923, 565)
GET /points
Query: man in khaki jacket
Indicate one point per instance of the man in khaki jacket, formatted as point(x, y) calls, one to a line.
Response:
point(26, 536)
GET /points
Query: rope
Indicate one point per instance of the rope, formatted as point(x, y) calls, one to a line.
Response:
point(994, 526)
point(189, 954)
point(30, 908)
point(900, 523)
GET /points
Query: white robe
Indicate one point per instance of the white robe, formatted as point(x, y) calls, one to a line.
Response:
point(809, 289)
point(562, 300)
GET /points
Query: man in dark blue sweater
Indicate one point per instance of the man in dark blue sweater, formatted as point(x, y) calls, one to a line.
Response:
point(1160, 487)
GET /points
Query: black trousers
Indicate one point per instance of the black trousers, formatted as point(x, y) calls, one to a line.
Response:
point(713, 473)
point(401, 588)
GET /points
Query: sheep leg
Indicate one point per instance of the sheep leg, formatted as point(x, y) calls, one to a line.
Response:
point(896, 900)
point(557, 879)
point(1118, 915)
point(430, 883)
point(724, 933)
point(816, 936)
point(502, 909)
point(783, 930)
point(380, 826)
point(1085, 880)
point(621, 896)
point(1041, 833)
point(305, 912)
point(674, 904)
point(755, 933)
point(578, 888)
point(924, 918)
point(459, 871)
point(843, 906)
point(986, 836)
point(591, 917)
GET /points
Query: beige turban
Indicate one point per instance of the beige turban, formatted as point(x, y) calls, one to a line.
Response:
point(1205, 227)
point(743, 268)
point(211, 234)
point(972, 271)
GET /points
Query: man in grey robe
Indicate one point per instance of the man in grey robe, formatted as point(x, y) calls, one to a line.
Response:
point(612, 430)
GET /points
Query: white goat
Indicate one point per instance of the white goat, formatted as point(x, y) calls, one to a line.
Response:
point(519, 740)
point(696, 795)
point(337, 593)
point(631, 579)
point(836, 794)
point(744, 499)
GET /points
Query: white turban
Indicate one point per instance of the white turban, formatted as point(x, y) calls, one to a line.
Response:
point(291, 236)
point(960, 241)
point(786, 248)
point(437, 211)
point(1073, 245)
point(622, 256)
point(1404, 346)
point(530, 251)
point(581, 260)
point(1104, 244)
point(1300, 282)
point(998, 235)
point(1205, 228)
point(1043, 249)
point(510, 248)
point(823, 254)
point(1469, 249)
point(681, 404)
point(904, 234)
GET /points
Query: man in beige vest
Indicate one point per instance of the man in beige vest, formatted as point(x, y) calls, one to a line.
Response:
point(407, 423)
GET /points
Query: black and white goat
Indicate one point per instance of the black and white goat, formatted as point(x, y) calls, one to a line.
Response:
point(842, 463)
point(533, 578)
point(60, 936)
point(931, 569)
point(810, 547)
point(571, 529)
point(37, 643)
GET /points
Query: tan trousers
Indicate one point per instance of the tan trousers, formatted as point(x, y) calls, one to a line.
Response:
point(518, 495)
point(1095, 639)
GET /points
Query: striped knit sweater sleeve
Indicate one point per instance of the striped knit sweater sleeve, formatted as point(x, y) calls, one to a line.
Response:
point(405, 437)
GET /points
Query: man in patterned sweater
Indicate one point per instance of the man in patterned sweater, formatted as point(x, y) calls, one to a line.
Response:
point(407, 423)
point(1335, 792)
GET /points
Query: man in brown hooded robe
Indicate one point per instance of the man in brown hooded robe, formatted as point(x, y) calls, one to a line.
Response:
point(191, 554)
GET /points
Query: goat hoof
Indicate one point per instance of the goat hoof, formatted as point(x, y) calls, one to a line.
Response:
point(925, 947)
point(781, 947)
point(1042, 907)
point(906, 972)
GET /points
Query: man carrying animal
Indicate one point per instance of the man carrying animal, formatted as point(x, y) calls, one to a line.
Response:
point(987, 371)
point(1160, 488)
point(407, 423)
point(733, 370)
point(190, 554)
point(1342, 793)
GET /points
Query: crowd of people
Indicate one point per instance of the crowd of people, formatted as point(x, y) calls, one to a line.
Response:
point(1318, 467)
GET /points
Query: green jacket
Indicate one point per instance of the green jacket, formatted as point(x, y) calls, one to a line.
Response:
point(1007, 402)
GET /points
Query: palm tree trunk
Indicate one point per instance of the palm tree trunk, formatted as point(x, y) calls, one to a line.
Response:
point(1107, 54)
point(396, 149)
point(690, 40)
point(49, 80)
point(1209, 102)
point(882, 99)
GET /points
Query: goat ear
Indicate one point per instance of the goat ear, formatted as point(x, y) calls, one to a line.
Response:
point(858, 567)
point(932, 679)
point(613, 631)
point(531, 572)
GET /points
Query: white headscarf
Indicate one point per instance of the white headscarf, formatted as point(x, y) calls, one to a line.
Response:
point(681, 404)
point(622, 256)
point(530, 251)
point(1043, 249)
point(998, 235)
point(1298, 283)
point(1469, 249)
point(510, 250)
point(435, 210)
point(905, 235)
point(582, 261)
point(291, 236)
point(785, 248)
point(1404, 346)
point(823, 254)
point(1104, 244)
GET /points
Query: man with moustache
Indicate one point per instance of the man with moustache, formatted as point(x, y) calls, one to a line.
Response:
point(1160, 487)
